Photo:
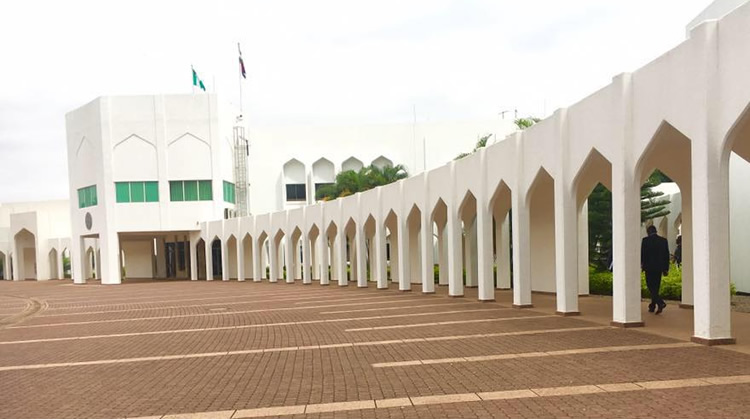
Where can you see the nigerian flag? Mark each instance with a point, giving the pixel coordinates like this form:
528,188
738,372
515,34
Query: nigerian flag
197,81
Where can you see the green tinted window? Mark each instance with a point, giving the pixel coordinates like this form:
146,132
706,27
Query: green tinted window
228,192
176,192
122,192
191,190
92,195
206,191
152,191
87,196
137,194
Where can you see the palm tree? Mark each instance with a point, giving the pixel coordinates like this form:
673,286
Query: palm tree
351,182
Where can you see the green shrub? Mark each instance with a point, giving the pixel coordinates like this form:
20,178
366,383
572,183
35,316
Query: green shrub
600,283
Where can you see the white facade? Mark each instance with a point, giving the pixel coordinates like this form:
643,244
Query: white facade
146,139
684,113
281,155
34,236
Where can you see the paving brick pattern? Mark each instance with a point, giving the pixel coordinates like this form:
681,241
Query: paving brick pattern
151,348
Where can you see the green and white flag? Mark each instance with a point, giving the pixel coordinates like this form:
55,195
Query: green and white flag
197,81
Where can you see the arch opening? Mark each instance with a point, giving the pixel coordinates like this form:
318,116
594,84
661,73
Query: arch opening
439,219
500,209
541,202
414,230
665,178
216,255
467,213
247,257
25,243
232,263
391,244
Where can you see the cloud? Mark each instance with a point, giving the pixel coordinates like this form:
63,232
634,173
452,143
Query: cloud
325,62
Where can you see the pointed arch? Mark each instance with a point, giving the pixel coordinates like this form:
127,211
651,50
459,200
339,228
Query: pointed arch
541,204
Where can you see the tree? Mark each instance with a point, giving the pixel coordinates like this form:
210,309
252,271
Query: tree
524,123
600,226
351,182
651,206
600,216
482,142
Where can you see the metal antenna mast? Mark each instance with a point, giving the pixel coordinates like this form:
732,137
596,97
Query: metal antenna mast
241,152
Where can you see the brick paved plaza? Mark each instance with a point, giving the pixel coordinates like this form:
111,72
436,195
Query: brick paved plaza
229,349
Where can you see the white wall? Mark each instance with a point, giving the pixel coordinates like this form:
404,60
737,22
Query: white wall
426,145
138,258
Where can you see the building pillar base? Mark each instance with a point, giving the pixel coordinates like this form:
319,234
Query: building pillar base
713,341
685,306
619,324
572,313
524,306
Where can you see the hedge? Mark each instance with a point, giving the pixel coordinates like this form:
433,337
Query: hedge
600,283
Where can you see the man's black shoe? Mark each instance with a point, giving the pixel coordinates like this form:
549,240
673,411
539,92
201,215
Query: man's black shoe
651,307
661,308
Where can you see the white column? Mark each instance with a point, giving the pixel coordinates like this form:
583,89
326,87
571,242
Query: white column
428,265
193,259
291,261
257,261
6,267
404,277
224,261
455,278
381,275
98,259
483,234
306,261
712,303
470,254
240,260
395,255
77,255
60,272
161,259
626,247
688,286
521,252
209,260
323,247
108,267
583,250
18,259
351,242
361,256
566,250
340,259
503,252
273,260
443,256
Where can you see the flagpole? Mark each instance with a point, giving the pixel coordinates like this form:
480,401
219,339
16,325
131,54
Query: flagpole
239,76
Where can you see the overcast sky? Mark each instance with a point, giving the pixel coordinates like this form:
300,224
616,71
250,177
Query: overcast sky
311,62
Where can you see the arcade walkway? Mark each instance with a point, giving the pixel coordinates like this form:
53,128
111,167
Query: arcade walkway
229,349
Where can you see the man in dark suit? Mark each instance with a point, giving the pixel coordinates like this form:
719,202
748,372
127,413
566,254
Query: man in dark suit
655,262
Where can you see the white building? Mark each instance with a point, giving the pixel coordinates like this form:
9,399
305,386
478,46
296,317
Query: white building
144,171
33,239
146,174
295,159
